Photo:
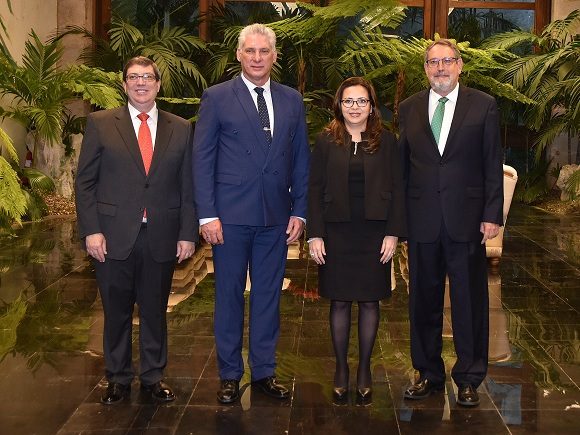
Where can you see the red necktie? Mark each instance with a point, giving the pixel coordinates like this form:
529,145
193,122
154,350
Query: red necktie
145,142
145,145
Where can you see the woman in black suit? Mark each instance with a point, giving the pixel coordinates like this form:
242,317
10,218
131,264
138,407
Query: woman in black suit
356,213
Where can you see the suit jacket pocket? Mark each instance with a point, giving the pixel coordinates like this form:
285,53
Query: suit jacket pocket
106,209
228,179
327,197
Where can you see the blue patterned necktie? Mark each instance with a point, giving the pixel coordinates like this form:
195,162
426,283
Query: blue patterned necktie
437,120
263,112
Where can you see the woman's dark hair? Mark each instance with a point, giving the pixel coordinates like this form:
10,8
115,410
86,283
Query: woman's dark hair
337,128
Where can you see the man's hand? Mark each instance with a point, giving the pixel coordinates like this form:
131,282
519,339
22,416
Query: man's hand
294,229
96,246
185,250
212,232
488,230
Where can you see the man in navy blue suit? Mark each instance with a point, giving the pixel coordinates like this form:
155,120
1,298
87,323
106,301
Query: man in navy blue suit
250,160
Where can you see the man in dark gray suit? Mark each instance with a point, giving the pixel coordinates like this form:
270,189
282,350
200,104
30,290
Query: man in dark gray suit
135,212
453,168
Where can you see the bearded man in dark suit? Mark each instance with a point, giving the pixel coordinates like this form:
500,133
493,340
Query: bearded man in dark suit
135,212
450,142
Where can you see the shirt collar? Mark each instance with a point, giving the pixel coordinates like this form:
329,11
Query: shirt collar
251,85
451,96
153,113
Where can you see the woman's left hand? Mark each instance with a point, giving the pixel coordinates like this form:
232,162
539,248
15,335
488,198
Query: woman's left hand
388,248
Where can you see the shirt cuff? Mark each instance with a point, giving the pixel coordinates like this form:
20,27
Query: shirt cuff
207,220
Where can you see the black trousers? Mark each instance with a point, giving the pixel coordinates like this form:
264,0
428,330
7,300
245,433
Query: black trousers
138,279
465,264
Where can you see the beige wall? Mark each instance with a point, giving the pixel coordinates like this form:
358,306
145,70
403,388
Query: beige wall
561,8
45,17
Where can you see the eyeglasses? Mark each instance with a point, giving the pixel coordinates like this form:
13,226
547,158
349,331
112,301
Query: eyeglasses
147,77
447,61
360,102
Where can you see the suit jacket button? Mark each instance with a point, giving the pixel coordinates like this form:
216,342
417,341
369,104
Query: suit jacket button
248,152
275,172
146,185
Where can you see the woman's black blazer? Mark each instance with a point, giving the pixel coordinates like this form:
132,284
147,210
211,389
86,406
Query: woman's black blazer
328,192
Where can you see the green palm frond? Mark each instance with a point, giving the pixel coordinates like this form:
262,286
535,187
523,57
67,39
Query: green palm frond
12,199
190,101
96,86
8,144
564,30
217,64
573,184
508,40
40,60
39,180
36,208
496,87
124,37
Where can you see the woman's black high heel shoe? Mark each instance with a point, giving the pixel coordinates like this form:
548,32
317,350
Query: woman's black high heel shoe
340,394
364,394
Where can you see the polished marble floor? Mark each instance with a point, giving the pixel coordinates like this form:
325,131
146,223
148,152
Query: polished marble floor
51,363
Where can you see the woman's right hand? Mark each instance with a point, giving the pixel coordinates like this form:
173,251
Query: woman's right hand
317,251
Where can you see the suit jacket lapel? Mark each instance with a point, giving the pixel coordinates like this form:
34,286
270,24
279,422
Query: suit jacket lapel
126,130
162,139
249,108
423,115
461,109
279,119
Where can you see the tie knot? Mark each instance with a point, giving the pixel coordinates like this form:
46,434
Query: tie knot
259,90
143,117
443,100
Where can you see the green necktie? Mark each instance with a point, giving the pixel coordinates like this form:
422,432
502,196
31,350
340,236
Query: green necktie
437,120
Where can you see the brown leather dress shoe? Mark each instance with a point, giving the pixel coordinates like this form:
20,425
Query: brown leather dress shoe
229,391
467,395
115,393
422,389
159,391
272,388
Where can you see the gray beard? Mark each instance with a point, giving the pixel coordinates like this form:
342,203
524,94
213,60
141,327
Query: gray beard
443,85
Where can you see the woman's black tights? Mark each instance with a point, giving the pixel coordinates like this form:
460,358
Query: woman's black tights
368,324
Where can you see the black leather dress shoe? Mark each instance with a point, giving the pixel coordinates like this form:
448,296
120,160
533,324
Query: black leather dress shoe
467,395
422,389
159,391
340,394
115,393
272,388
229,391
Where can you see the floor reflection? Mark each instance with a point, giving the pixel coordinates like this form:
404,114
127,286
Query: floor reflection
51,364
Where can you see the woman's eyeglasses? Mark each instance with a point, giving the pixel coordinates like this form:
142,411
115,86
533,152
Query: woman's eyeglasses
360,102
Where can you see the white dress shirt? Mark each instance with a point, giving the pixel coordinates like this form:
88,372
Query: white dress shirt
447,116
267,96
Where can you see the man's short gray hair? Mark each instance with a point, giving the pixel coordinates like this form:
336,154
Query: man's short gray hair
445,42
257,29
